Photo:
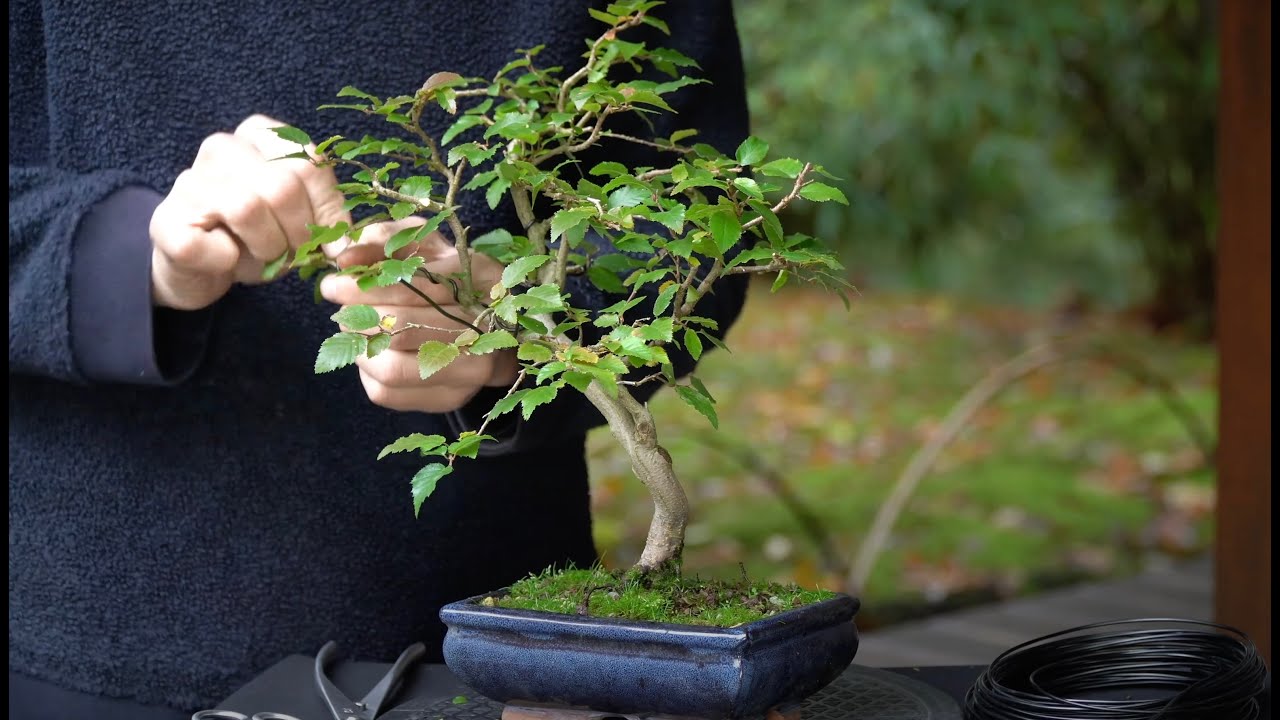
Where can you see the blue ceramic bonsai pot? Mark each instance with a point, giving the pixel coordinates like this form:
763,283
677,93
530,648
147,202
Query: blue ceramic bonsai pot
634,667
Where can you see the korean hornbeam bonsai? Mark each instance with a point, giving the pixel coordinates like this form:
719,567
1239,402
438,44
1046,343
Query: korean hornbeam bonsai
657,238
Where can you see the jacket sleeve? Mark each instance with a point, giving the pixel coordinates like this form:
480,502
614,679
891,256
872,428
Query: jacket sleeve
80,252
719,112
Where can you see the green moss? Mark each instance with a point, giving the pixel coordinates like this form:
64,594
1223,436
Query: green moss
666,597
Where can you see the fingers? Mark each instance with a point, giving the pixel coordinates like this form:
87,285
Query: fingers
373,239
318,183
391,380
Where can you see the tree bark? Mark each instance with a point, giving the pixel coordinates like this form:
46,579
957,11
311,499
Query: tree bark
632,426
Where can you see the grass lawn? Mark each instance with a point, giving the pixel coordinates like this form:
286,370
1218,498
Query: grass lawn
1075,471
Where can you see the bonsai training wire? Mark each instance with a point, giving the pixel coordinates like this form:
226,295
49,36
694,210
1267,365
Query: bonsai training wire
1210,671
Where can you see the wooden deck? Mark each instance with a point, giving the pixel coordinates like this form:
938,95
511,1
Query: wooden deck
976,635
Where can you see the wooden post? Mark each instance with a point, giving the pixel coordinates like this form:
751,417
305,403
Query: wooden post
1243,543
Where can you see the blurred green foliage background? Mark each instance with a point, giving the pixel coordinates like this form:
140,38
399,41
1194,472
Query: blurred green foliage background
1034,152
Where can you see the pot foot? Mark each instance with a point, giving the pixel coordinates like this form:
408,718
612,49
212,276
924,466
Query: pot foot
534,711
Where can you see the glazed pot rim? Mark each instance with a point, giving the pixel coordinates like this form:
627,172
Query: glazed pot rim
470,613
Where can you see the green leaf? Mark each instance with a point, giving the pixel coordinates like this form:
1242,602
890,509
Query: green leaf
402,210
417,187
748,186
494,243
693,344
463,124
541,299
506,404
465,338
377,344
415,441
468,444
672,219
698,402
292,134
772,225
610,169
821,192
495,192
424,483
622,306
664,298
350,91
433,356
752,150
405,237
533,325
340,351
273,268
629,196
567,219
474,153
516,272
393,271
780,281
782,167
536,397
496,340
356,317
725,229
659,330
534,352
605,279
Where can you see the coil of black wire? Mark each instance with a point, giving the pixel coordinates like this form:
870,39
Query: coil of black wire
1181,670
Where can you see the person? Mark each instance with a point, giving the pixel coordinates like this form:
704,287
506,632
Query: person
188,502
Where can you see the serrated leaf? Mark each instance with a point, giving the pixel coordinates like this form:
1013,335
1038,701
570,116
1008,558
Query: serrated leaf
496,340
350,91
693,344
661,304
393,271
467,444
533,324
464,123
566,219
292,134
433,356
424,483
751,151
377,344
506,404
748,186
404,238
672,219
698,402
622,306
628,196
466,338
417,187
535,397
540,299
494,243
725,229
534,353
356,317
340,351
415,441
517,271
782,167
401,210
659,330
821,192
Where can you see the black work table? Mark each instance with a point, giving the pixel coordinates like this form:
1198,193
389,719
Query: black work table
928,693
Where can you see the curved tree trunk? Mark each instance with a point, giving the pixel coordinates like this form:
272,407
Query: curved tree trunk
632,425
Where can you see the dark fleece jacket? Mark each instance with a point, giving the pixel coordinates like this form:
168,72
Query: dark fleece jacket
188,503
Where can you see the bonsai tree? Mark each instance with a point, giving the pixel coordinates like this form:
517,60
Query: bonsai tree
657,238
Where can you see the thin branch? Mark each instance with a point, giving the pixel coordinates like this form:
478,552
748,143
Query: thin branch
745,269
571,149
641,141
417,291
514,386
686,305
785,201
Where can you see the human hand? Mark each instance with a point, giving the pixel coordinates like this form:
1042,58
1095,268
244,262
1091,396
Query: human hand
234,210
391,378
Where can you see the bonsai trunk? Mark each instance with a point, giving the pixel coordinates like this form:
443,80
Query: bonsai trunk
632,425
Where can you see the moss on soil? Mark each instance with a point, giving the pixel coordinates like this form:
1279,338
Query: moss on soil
668,598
